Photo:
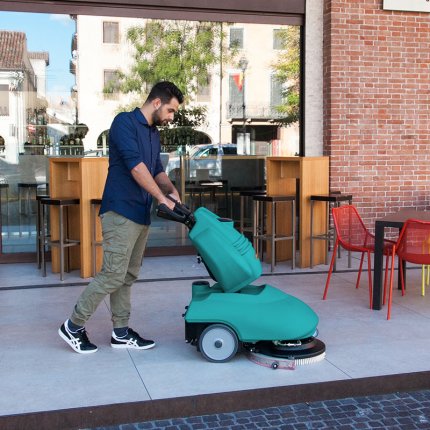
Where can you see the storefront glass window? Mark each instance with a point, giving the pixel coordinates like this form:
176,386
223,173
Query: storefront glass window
63,79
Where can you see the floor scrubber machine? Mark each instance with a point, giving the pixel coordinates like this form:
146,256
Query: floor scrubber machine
276,329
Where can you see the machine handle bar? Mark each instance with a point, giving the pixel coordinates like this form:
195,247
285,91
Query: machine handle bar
180,213
180,206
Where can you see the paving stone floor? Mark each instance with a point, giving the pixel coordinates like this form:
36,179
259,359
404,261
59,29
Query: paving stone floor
406,411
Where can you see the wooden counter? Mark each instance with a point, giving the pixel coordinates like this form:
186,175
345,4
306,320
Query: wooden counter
83,178
302,176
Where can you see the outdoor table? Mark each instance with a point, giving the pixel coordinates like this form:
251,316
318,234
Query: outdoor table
209,187
213,186
395,220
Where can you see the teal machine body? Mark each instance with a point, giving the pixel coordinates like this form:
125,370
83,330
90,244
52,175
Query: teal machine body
233,311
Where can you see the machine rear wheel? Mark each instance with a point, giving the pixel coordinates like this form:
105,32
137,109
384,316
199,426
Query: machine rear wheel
218,343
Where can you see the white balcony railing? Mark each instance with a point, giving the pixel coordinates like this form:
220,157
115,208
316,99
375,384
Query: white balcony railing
262,112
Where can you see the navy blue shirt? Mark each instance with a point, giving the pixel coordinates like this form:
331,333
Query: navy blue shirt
131,141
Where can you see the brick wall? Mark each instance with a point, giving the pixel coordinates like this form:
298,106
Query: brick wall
377,105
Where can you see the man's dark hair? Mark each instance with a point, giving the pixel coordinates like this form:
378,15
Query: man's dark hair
165,91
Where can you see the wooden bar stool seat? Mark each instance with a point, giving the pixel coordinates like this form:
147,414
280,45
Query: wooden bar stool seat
94,242
261,232
64,241
334,198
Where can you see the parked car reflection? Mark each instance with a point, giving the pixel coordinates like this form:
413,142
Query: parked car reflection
205,159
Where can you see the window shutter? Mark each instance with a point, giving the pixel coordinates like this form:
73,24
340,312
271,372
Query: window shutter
235,97
110,32
236,38
277,40
4,100
275,92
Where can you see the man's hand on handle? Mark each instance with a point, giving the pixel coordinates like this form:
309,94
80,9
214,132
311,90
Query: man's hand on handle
169,203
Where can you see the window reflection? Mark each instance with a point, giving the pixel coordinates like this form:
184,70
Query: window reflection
65,78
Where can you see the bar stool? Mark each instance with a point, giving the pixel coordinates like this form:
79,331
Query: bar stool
25,192
6,188
334,198
245,196
194,192
39,226
260,232
27,188
64,241
211,188
94,242
235,191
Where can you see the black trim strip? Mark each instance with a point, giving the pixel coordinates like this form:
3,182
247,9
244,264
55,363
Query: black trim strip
257,11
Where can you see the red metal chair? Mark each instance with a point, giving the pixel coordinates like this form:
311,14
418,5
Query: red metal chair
412,246
352,234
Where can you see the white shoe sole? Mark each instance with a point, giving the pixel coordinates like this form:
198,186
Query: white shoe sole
125,346
67,340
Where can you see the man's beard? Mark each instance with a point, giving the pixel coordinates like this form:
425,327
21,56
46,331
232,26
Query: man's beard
156,120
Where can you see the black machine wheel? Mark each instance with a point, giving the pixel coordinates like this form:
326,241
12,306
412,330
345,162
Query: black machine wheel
218,343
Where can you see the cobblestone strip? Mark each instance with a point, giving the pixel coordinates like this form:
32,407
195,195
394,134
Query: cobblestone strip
399,411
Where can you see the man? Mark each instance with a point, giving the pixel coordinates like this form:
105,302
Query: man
135,176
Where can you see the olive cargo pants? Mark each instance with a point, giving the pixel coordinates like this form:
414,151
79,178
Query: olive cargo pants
124,243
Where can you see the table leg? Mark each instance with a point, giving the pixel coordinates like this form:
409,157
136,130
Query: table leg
378,264
399,274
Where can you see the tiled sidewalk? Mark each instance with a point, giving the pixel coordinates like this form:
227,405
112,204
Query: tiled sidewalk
391,411
366,355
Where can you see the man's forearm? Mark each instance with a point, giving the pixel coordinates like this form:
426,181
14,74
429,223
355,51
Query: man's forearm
165,184
142,176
